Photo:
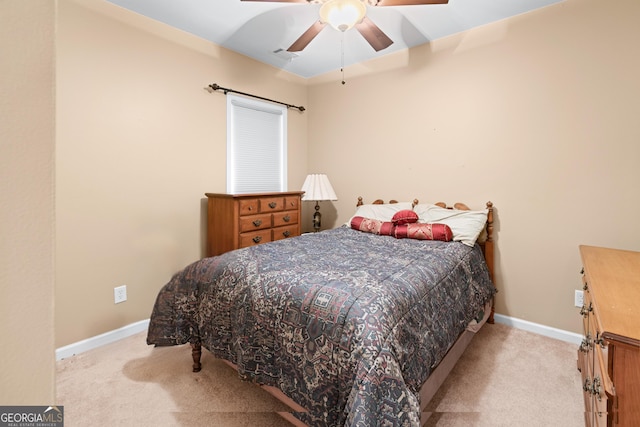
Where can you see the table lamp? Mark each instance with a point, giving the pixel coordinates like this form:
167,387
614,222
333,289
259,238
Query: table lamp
317,187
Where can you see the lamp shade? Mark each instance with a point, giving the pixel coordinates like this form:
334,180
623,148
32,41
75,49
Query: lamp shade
317,187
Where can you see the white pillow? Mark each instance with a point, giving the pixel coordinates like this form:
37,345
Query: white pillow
380,212
466,226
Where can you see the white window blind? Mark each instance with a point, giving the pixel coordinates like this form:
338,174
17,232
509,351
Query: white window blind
256,146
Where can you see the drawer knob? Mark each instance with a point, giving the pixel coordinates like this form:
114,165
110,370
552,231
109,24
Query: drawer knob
584,345
287,218
250,208
596,389
584,311
287,233
272,205
257,222
257,239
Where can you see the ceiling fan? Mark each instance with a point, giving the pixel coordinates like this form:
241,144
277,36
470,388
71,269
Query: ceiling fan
346,14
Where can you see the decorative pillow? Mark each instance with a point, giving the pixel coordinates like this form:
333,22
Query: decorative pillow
405,216
423,231
380,212
368,225
465,225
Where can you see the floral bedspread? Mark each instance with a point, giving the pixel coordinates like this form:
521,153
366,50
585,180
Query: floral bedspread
348,324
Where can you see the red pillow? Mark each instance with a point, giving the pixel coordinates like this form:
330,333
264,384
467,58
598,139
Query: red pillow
406,216
374,226
424,231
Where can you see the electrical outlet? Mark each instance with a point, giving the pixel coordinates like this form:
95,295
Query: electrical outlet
579,298
120,294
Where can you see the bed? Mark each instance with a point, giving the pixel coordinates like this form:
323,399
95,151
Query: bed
354,326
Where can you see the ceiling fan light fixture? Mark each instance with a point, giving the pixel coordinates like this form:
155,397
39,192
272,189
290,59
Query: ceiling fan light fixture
342,14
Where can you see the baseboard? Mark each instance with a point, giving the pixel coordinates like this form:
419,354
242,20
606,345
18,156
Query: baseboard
134,328
539,329
100,340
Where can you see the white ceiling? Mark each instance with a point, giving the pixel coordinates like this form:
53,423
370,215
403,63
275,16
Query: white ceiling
257,29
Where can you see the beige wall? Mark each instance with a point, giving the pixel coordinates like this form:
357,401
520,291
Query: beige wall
537,113
139,142
27,131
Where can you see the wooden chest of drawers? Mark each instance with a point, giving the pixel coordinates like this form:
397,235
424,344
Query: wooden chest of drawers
240,220
609,356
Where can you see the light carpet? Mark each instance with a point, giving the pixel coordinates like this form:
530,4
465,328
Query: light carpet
507,377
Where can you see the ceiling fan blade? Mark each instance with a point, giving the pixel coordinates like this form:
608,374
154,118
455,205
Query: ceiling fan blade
306,37
409,2
374,35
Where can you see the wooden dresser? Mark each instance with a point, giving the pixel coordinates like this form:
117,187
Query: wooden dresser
609,356
240,220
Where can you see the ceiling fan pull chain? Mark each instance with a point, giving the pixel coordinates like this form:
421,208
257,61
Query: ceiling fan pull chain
342,56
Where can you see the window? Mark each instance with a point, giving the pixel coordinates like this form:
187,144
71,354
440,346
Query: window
256,146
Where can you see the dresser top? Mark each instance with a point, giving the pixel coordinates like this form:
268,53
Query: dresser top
246,195
614,282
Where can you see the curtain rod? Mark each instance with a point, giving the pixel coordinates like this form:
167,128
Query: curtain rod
215,86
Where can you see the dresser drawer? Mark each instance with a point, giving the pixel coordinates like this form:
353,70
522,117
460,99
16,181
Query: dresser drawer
255,222
249,206
285,218
585,359
602,384
255,238
587,312
280,233
291,202
271,204
584,366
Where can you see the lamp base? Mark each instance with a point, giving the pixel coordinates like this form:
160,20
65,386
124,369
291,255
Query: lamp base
317,218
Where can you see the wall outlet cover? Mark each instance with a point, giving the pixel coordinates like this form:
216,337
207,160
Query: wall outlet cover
579,298
120,294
